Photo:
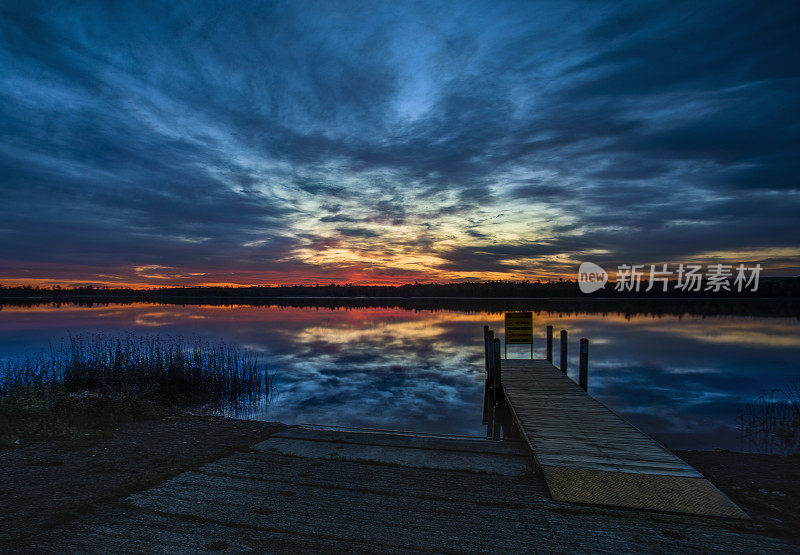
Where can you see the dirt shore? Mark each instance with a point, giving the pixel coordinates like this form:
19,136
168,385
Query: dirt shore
766,487
46,484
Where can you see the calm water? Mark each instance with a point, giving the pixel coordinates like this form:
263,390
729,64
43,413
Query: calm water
682,380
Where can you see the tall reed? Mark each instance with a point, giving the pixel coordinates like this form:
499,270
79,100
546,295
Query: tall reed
142,367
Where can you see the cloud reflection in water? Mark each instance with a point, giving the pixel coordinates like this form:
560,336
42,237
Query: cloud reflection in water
682,380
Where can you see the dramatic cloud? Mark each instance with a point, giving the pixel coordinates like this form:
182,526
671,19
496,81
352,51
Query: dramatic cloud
391,142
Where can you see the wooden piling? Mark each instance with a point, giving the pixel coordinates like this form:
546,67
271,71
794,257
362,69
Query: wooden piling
583,373
498,375
564,351
490,355
486,349
550,343
497,430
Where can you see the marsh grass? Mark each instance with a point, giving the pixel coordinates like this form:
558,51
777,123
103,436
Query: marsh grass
772,423
100,380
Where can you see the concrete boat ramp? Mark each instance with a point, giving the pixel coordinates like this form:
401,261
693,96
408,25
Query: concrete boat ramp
326,489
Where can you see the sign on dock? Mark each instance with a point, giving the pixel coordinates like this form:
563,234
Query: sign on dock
519,328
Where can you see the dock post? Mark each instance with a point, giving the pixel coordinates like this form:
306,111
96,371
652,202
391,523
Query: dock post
487,396
498,375
486,349
549,343
583,374
490,354
564,351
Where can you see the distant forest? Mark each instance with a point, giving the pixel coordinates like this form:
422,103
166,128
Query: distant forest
769,287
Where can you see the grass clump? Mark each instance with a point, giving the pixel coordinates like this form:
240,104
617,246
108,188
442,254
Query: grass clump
772,423
93,383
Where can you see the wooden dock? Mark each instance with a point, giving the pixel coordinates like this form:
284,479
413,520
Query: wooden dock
589,454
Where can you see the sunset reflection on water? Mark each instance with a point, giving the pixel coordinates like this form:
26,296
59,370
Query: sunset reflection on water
681,379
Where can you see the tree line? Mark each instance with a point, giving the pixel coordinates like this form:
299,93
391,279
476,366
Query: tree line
769,287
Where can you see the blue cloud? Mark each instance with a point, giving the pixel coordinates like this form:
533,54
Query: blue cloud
231,139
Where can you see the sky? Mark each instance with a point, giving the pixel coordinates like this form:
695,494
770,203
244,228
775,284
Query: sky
184,143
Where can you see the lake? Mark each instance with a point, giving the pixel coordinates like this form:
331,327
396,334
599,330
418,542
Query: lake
683,379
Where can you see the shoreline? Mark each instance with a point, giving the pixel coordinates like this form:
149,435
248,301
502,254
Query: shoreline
674,306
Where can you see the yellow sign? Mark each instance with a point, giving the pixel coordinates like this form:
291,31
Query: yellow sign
519,327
